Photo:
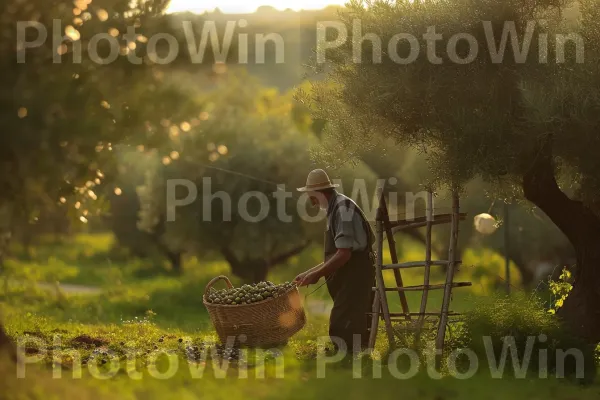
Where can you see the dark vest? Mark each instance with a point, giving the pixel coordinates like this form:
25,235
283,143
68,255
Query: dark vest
361,262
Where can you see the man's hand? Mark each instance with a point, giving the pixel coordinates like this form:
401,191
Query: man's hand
298,280
310,278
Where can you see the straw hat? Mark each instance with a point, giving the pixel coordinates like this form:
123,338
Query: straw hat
317,180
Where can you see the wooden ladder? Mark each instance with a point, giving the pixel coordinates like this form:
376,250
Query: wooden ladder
384,226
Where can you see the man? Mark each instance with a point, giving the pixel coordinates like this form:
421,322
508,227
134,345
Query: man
348,262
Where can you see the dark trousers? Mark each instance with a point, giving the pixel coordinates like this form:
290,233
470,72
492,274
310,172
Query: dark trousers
350,288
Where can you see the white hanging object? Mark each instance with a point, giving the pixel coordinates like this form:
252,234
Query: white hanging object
486,224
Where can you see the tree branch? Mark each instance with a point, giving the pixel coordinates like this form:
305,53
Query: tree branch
295,251
230,257
541,188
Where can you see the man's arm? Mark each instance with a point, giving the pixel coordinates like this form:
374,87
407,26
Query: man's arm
344,239
335,262
340,258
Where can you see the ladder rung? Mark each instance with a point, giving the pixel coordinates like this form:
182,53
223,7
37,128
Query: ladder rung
415,328
440,218
414,264
416,225
416,314
423,287
427,326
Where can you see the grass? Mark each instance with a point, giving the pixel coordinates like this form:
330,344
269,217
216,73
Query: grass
144,309
297,384
301,376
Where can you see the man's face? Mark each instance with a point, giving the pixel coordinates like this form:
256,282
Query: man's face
317,199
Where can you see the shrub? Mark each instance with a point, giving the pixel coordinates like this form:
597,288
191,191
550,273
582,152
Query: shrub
520,326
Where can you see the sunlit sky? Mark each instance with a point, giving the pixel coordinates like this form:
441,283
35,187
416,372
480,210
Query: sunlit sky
247,6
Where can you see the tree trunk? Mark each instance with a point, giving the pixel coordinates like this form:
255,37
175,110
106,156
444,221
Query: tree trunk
174,257
176,263
4,339
256,270
580,312
515,254
260,271
2,255
6,344
26,243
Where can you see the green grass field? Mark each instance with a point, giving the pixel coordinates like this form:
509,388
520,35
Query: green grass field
142,310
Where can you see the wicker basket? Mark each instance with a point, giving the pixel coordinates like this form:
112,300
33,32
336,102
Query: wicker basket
268,322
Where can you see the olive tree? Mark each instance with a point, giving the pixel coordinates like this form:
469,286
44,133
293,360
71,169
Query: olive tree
525,118
244,145
69,104
64,111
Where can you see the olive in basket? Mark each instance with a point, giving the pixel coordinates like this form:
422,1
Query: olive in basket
247,294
